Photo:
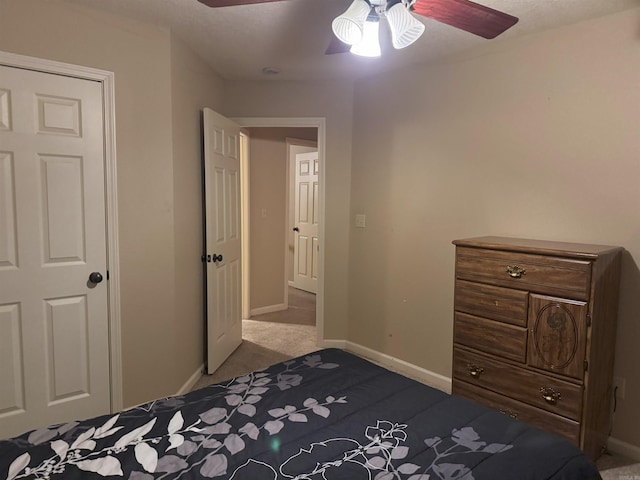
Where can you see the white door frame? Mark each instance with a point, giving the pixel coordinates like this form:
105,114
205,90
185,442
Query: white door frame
113,285
246,224
320,124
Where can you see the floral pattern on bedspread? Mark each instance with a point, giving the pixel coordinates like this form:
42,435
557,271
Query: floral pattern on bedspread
304,419
171,452
380,457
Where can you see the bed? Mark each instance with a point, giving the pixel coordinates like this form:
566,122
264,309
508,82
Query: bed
329,415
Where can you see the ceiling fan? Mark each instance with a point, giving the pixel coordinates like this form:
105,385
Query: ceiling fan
462,14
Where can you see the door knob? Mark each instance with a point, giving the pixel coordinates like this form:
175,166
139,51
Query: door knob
296,229
95,277
216,258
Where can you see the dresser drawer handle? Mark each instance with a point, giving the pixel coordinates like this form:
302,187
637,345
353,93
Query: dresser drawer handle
515,271
511,413
474,370
550,395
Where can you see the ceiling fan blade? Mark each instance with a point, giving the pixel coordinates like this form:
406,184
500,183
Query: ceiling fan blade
466,15
337,46
232,3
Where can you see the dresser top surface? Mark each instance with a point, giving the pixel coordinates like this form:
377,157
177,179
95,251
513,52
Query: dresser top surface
540,247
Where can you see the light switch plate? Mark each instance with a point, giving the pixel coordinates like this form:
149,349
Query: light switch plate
361,220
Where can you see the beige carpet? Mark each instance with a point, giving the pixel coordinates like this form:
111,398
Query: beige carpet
264,343
617,467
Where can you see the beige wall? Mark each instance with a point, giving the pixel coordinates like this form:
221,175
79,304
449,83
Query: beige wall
141,58
268,193
333,101
193,86
534,138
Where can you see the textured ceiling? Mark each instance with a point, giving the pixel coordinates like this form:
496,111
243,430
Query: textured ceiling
238,42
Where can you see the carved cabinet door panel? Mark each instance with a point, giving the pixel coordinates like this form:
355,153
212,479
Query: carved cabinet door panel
557,335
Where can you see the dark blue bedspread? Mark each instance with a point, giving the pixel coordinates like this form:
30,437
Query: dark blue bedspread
327,416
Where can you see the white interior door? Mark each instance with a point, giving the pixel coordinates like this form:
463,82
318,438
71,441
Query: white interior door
223,237
306,247
54,333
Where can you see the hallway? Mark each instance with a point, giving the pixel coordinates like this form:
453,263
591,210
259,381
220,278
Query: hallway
301,311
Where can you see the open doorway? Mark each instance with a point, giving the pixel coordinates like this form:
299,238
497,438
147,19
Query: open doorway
274,298
279,338
289,299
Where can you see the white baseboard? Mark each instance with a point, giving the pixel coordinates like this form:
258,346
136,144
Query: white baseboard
410,370
624,449
341,344
193,379
268,309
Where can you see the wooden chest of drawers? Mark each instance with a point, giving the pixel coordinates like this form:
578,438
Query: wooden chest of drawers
534,332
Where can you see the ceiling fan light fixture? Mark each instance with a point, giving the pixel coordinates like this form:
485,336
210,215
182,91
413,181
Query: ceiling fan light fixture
405,28
369,46
349,27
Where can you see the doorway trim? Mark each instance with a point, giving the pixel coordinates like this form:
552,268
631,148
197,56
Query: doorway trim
320,124
111,198
246,224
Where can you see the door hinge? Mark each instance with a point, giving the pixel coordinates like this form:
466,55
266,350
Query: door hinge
586,365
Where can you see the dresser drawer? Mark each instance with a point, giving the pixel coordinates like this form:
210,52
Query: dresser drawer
497,303
489,336
548,393
548,421
536,273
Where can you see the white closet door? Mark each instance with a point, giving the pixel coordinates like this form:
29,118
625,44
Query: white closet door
54,336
